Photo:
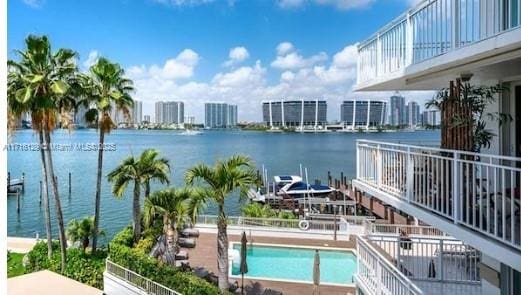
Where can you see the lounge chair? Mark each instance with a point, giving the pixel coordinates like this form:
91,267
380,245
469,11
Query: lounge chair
271,292
181,255
201,272
181,263
186,243
190,232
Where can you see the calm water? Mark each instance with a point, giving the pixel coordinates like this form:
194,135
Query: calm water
280,152
336,267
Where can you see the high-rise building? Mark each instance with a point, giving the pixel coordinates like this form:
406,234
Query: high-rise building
397,111
147,119
220,115
294,113
431,118
189,120
412,114
358,113
137,112
170,112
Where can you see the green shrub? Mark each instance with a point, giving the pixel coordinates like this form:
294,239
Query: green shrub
124,237
144,246
15,264
286,215
136,260
82,267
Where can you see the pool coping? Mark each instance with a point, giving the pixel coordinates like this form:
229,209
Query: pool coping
230,263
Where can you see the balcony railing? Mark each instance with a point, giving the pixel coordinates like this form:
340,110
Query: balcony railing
136,280
479,191
432,28
377,275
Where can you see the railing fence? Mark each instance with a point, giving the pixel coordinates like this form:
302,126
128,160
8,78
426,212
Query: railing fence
135,279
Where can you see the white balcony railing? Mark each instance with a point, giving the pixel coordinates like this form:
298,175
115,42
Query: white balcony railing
136,280
377,275
432,28
479,191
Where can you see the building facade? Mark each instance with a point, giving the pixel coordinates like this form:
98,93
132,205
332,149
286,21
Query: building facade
147,119
471,197
430,118
412,114
220,115
169,112
397,111
363,113
137,112
294,113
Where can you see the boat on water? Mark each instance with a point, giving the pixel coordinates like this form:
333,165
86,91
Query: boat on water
289,186
191,132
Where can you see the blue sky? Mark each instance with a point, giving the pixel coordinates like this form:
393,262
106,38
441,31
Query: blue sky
240,51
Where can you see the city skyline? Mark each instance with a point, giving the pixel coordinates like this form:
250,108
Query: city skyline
232,55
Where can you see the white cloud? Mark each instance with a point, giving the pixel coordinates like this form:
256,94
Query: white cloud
339,4
248,85
180,67
34,3
91,59
287,58
237,55
284,48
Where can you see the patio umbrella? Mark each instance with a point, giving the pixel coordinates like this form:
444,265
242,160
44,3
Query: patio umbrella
244,265
432,269
316,274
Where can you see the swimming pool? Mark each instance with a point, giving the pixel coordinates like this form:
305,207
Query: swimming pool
288,263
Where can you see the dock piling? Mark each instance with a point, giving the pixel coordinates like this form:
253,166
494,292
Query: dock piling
70,187
18,202
40,192
23,182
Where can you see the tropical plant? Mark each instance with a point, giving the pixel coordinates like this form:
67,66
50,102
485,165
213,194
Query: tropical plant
105,91
170,205
235,174
42,84
82,231
464,112
197,203
138,171
258,210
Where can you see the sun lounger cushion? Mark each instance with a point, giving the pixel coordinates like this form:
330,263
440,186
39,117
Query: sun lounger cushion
181,255
186,243
190,232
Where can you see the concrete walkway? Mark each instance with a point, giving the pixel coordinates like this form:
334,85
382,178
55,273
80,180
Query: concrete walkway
47,283
20,245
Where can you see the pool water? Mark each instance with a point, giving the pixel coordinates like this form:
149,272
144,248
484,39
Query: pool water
296,264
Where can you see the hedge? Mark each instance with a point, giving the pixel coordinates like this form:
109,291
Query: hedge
136,260
82,267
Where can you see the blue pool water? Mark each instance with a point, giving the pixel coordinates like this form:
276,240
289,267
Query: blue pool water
296,264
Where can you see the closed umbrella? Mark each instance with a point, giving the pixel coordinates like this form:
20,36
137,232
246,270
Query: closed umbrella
432,269
316,274
244,264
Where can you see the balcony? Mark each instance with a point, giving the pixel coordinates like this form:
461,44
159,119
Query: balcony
423,264
441,38
472,197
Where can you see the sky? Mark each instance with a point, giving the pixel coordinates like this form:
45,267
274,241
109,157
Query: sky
237,51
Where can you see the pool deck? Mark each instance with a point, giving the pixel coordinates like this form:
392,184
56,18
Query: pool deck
204,255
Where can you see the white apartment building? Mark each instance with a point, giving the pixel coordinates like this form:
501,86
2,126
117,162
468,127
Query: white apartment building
137,112
169,112
472,197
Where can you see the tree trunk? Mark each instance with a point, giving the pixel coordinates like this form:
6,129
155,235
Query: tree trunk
97,198
136,218
147,188
85,243
171,238
57,203
45,196
222,249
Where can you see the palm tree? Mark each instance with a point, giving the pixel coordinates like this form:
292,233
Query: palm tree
197,203
82,231
106,91
139,171
41,83
170,204
227,176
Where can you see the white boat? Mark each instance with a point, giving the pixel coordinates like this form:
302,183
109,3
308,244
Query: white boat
191,132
